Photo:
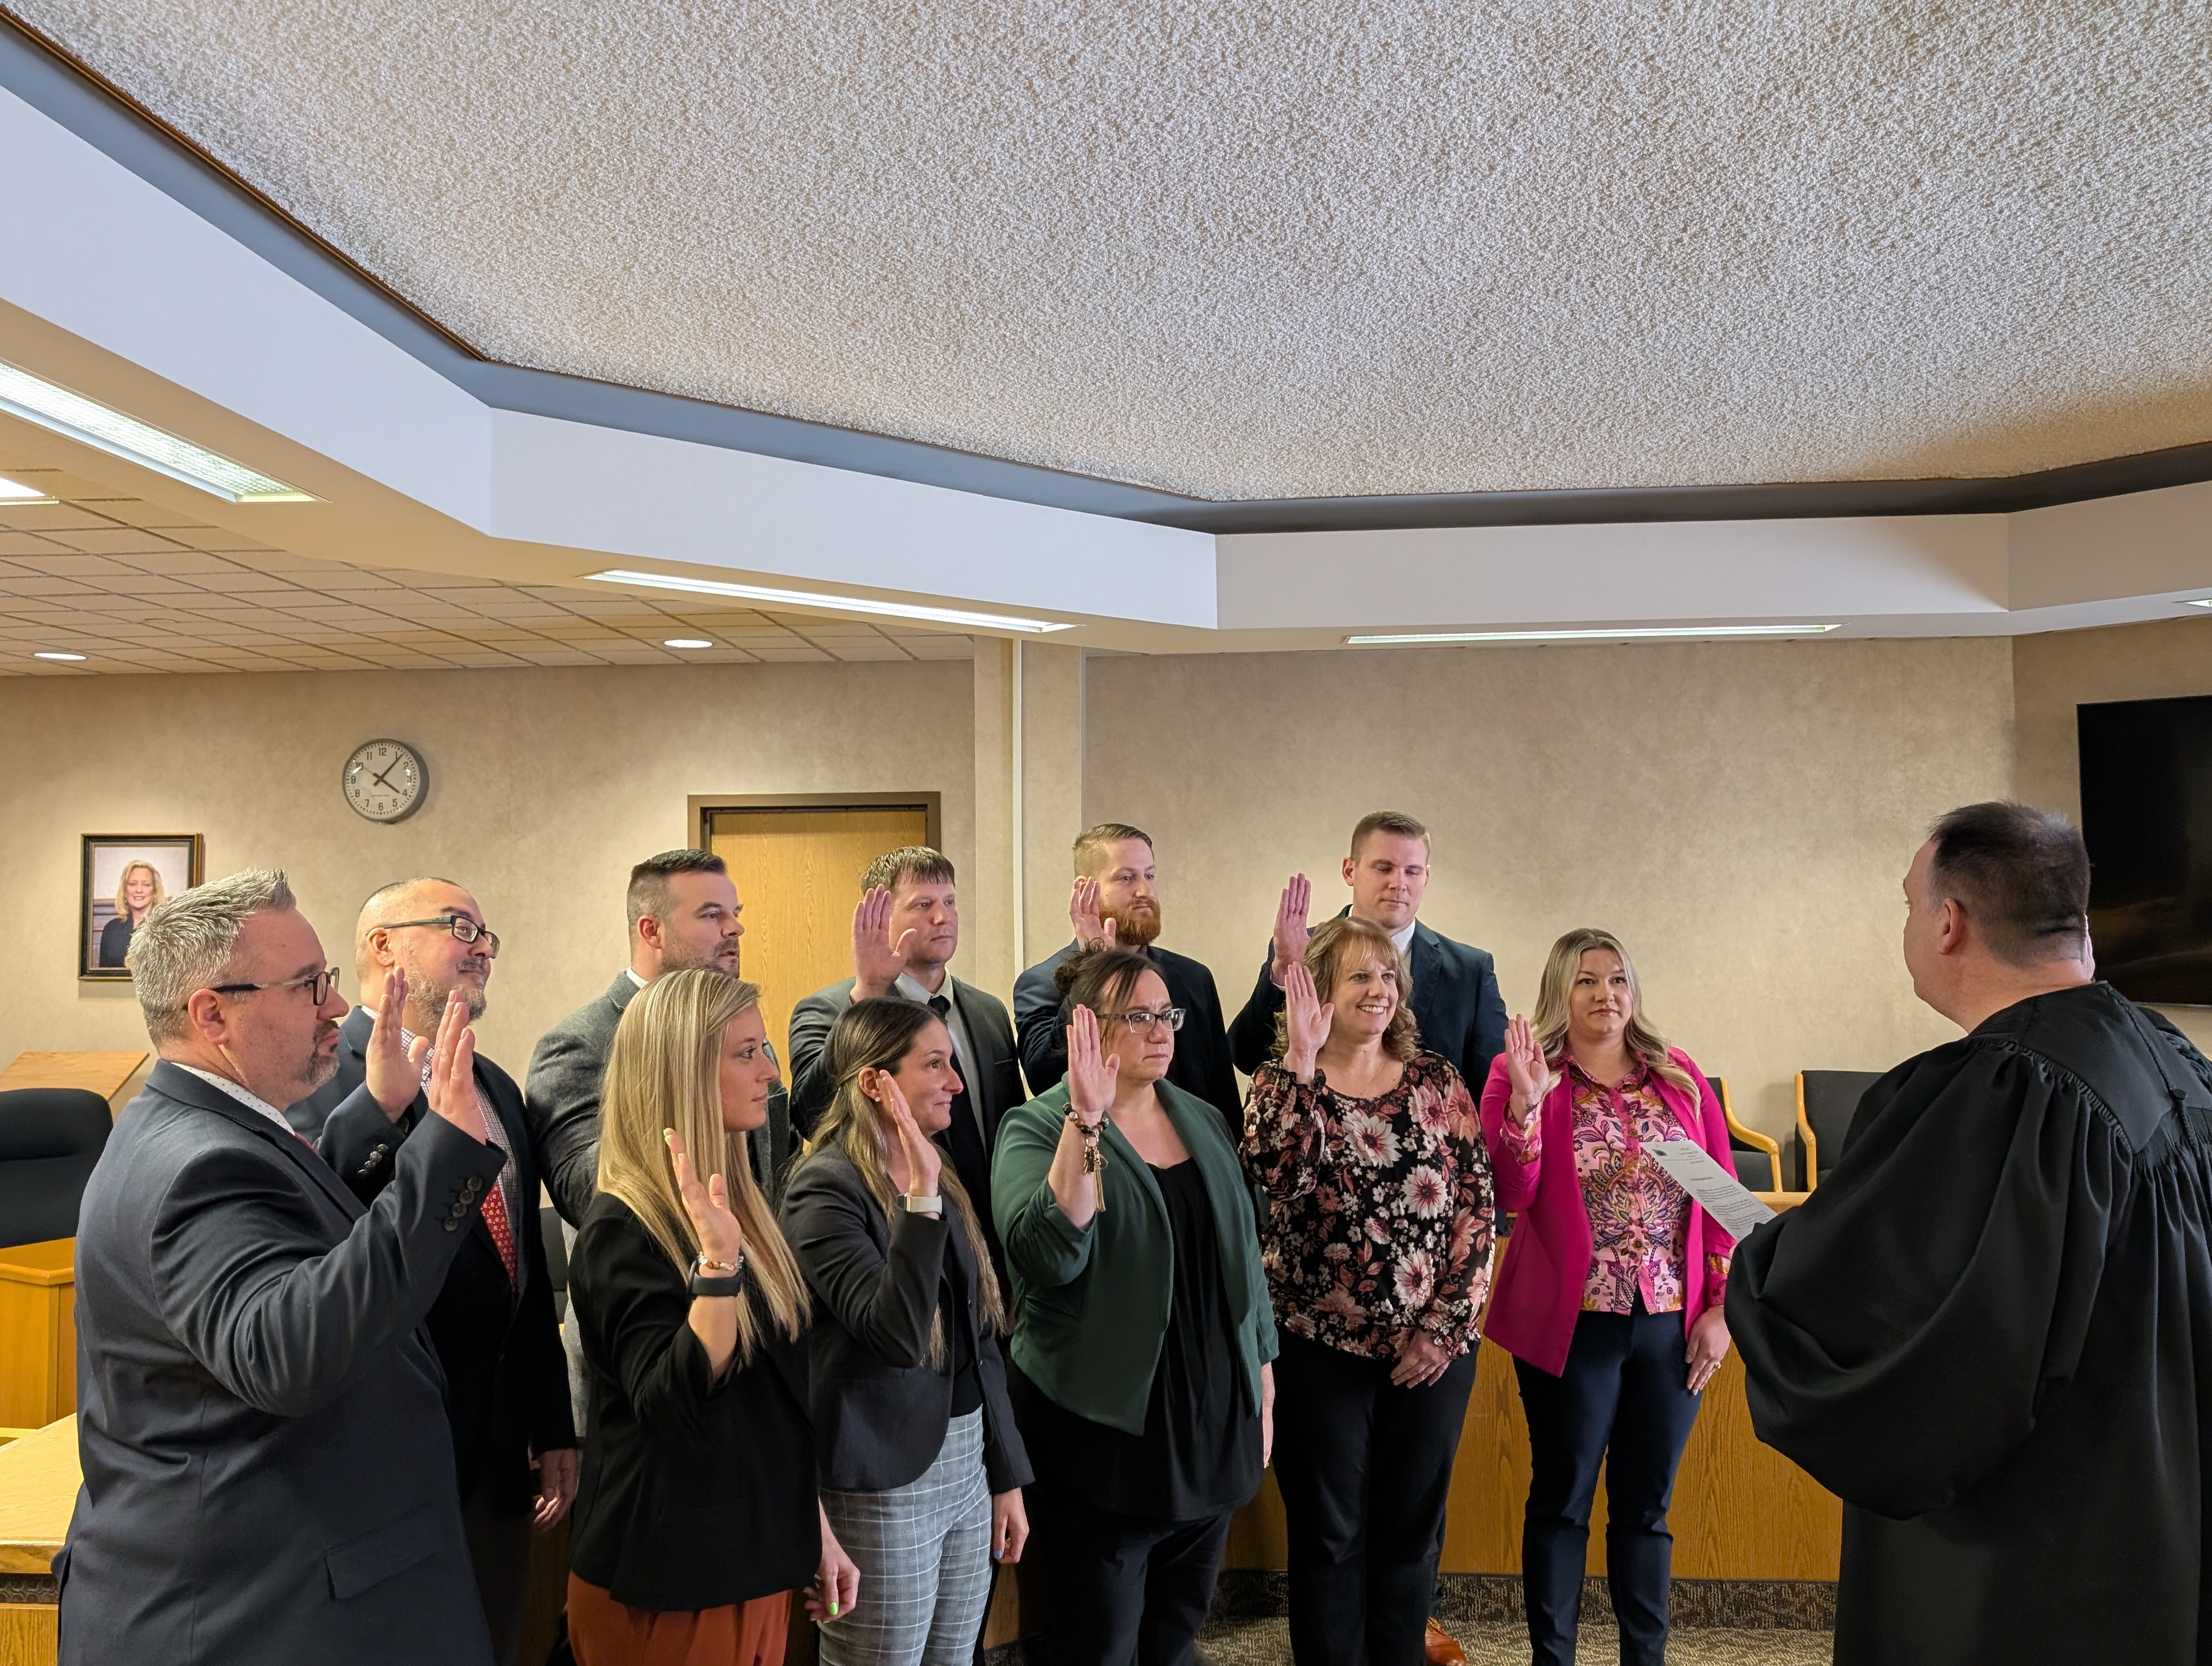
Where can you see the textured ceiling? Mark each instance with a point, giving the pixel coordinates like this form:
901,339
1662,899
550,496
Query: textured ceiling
1254,250
136,588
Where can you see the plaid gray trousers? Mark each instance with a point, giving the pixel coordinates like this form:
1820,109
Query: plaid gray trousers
924,1553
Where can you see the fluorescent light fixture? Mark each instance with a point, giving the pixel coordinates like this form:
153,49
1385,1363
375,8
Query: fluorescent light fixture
687,641
14,493
2198,601
1635,634
37,401
56,653
755,593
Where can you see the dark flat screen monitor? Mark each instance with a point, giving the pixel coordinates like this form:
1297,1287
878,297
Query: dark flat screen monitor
2146,815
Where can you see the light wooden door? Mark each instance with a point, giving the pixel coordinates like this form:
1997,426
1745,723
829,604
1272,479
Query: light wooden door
798,873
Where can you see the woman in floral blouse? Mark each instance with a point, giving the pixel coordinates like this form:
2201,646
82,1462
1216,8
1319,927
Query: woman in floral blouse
1377,1247
1610,1296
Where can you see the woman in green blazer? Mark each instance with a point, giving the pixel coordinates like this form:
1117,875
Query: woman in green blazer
1143,1338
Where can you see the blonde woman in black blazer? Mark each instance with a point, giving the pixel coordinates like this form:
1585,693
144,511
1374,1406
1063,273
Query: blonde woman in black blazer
921,1466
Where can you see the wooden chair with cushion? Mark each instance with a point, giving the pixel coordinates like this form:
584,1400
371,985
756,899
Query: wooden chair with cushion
49,1138
1758,1156
1826,1102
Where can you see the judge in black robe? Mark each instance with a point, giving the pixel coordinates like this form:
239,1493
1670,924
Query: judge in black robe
1990,1330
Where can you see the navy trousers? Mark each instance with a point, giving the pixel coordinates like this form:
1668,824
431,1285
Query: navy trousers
1624,1402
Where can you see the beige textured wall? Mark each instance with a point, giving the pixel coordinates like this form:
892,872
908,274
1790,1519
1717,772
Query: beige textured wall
545,785
2053,674
1741,813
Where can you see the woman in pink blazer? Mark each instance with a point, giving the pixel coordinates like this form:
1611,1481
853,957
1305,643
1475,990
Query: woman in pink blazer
1610,1298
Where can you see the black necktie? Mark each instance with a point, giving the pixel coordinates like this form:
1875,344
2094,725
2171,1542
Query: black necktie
970,1159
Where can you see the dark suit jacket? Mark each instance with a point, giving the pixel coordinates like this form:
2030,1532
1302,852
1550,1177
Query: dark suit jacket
506,1379
560,1098
993,1076
1200,1067
697,1491
879,1407
1455,1001
268,1475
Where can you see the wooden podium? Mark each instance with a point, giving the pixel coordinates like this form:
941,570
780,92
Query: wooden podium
37,1333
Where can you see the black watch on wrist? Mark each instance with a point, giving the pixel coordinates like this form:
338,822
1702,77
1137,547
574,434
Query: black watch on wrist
732,1283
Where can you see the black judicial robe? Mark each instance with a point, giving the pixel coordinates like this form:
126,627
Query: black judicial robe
1989,1331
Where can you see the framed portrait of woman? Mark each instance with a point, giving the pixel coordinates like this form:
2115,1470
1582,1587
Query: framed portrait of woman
127,875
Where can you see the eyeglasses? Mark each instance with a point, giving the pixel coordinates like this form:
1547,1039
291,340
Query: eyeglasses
463,928
317,985
1141,1020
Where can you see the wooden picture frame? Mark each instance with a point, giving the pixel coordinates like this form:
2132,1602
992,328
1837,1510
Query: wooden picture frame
178,861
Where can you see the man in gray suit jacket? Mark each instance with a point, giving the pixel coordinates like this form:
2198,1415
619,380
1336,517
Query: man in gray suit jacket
684,913
268,1472
906,930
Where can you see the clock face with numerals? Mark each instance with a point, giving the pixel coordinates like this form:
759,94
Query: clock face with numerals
384,780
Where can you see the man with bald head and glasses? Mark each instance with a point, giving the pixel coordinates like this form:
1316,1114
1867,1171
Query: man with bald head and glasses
268,1472
493,1326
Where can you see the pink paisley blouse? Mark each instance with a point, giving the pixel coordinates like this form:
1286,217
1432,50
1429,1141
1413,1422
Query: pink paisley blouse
1639,1217
1380,1213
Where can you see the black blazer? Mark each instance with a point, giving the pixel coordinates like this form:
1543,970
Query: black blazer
506,1379
1455,1001
697,1492
993,1078
879,1407
1200,1067
267,1474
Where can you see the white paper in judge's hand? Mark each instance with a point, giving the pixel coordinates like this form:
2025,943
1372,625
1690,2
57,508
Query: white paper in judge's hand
1726,1198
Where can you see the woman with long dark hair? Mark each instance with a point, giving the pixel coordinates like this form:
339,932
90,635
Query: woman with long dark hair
1610,1296
922,1465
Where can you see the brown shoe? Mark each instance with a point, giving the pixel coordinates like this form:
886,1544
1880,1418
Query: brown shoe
1441,1647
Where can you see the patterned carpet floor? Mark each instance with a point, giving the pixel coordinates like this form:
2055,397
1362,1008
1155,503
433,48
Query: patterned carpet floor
1491,1643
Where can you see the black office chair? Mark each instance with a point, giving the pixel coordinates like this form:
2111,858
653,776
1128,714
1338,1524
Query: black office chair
49,1138
1826,1102
1758,1157
556,1258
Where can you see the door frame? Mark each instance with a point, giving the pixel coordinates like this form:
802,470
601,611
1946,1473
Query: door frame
699,808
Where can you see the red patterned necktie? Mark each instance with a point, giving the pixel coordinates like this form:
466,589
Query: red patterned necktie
502,1229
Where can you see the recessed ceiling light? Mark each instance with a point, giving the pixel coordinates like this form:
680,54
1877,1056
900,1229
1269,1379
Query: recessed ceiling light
755,593
37,401
687,641
56,654
1637,633
14,492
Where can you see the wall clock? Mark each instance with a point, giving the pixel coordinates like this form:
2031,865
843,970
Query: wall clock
384,780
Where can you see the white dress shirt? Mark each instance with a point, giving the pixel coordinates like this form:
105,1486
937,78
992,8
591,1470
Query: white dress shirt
252,1102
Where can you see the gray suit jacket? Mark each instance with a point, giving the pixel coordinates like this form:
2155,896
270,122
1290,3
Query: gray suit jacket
561,1102
267,1473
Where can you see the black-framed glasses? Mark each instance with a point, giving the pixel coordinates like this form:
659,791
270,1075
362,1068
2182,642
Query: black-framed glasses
1141,1020
317,985
463,929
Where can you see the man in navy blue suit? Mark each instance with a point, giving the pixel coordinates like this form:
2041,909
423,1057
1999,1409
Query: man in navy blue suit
1455,999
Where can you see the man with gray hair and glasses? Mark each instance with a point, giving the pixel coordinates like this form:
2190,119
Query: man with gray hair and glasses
268,1472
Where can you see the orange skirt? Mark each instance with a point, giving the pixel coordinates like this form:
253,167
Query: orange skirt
604,1632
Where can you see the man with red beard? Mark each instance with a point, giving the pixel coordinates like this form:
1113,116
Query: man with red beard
1116,900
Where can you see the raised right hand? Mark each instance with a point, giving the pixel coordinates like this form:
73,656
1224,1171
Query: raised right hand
1526,1069
878,959
1306,1022
720,1237
1291,928
1092,1071
923,1159
451,1089
1091,929
393,1069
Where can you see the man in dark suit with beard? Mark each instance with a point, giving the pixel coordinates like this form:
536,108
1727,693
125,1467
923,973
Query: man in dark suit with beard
1116,899
268,1472
506,1381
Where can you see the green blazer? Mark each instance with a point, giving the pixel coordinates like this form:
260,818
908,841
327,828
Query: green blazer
1091,1302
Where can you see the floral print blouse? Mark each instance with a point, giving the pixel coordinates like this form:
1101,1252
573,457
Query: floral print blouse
1380,1212
1639,1216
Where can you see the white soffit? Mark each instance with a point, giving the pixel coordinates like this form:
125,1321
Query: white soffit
1249,251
